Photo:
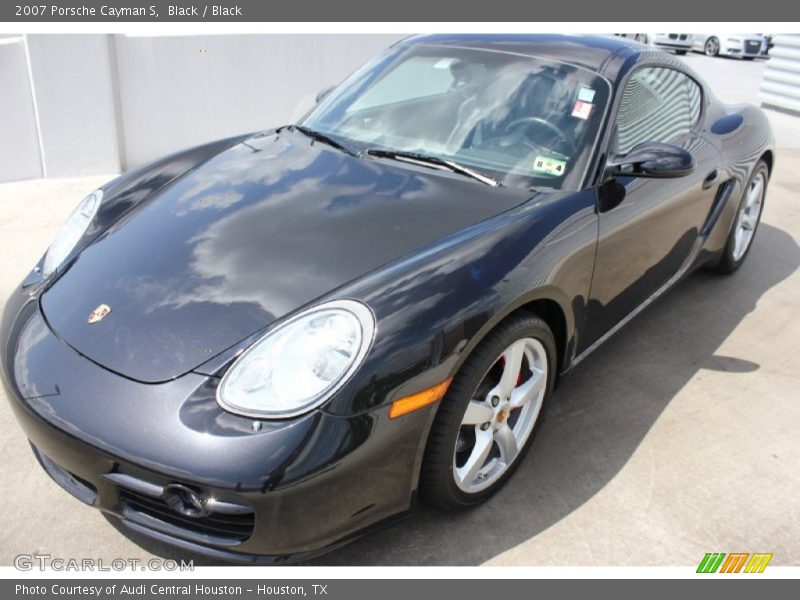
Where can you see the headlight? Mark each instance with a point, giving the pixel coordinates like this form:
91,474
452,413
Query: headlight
301,363
71,232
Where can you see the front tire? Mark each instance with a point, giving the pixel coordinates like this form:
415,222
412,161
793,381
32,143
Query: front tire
748,216
487,420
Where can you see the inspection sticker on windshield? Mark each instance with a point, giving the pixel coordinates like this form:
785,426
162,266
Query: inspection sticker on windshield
549,166
586,94
582,109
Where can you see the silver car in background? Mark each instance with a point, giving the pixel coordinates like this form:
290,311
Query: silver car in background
743,45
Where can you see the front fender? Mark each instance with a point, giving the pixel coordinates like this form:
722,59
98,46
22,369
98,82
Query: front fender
132,189
434,307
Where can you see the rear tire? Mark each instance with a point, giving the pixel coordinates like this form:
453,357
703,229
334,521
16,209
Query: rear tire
748,216
485,424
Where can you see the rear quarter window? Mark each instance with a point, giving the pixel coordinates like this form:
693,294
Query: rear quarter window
658,104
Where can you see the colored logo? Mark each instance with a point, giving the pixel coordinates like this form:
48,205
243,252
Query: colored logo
735,562
98,314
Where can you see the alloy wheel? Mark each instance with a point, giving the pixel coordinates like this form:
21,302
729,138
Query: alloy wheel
501,416
747,220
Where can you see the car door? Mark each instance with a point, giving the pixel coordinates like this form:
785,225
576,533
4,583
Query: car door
645,239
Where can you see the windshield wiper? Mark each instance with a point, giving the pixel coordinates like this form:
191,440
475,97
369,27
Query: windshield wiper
424,159
325,139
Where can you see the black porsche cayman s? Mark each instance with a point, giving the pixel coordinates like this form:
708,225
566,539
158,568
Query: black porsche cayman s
260,347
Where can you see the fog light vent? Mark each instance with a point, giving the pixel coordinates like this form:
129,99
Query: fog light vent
80,488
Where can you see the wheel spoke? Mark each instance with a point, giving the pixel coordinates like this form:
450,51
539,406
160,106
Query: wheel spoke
507,442
511,369
483,445
738,242
748,217
528,390
477,412
755,193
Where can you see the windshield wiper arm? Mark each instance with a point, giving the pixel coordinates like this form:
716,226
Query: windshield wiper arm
324,138
416,157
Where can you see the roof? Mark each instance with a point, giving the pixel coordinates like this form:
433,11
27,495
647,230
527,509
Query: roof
589,51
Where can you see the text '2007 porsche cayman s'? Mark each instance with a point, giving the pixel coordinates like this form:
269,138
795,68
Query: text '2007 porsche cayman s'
263,346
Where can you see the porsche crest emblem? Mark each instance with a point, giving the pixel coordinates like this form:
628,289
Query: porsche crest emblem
98,314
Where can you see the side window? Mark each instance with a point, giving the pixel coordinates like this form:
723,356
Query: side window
658,105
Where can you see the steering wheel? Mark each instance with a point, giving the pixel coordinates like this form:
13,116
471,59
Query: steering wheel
527,121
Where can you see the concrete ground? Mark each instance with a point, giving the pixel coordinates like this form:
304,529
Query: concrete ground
676,438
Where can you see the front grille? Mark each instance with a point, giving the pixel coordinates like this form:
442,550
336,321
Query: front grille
683,36
753,46
233,527
673,36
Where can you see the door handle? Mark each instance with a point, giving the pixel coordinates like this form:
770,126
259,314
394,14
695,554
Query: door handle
710,179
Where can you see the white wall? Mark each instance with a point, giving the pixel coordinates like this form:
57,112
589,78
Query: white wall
75,103
19,143
781,85
111,102
180,91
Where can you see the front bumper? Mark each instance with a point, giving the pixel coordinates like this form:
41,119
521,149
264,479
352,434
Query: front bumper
674,41
748,48
287,489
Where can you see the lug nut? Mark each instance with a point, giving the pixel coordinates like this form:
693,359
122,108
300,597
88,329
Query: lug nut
485,426
495,400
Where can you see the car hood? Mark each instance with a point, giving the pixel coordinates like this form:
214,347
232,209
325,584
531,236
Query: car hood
252,234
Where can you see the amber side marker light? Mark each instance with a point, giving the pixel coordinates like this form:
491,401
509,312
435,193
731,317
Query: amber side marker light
419,400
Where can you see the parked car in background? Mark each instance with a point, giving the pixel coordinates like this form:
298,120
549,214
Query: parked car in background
680,43
743,45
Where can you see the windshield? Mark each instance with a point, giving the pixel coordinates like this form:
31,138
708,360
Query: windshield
521,120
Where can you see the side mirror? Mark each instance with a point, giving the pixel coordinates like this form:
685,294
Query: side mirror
652,159
323,92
